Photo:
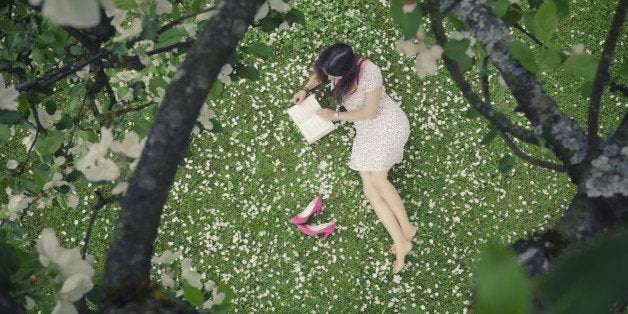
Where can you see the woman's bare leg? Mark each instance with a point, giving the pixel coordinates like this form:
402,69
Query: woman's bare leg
391,196
388,219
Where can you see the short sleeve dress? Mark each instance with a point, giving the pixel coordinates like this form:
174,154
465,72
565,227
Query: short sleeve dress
378,142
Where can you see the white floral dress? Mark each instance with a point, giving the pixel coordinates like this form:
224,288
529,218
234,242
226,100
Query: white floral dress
378,142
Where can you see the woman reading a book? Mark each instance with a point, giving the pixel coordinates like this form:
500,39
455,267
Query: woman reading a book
381,132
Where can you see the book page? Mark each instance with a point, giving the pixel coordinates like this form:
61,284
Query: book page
311,126
305,110
315,128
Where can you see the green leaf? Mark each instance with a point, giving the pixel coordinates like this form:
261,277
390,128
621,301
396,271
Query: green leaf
551,57
261,50
583,65
169,37
218,128
157,81
125,4
216,90
546,22
122,91
249,72
500,7
591,279
49,144
457,50
295,16
472,113
522,53
9,117
5,134
502,286
409,22
490,136
142,127
271,22
9,263
562,8
513,15
75,50
149,29
506,163
22,106
587,89
51,107
193,295
88,135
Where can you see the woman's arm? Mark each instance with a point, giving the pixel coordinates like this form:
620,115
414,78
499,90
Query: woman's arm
371,103
301,94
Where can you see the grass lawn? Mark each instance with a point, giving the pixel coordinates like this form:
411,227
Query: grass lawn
233,196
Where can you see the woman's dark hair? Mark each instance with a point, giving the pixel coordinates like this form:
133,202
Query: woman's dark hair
337,60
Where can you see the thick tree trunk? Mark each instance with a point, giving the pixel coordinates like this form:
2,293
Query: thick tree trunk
127,278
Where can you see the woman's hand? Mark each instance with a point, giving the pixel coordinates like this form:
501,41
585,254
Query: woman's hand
326,114
298,97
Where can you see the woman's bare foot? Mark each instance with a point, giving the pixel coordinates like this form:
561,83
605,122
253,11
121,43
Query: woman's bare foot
409,234
403,249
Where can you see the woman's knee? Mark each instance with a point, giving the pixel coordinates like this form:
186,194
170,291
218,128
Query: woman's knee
367,186
379,180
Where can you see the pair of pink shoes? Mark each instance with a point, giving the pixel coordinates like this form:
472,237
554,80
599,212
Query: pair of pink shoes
314,208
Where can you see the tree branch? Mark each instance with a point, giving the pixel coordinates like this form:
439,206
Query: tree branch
509,142
183,18
528,158
601,78
563,135
499,120
120,112
100,203
40,85
528,34
129,258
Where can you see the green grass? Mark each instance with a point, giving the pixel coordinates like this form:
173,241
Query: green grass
229,207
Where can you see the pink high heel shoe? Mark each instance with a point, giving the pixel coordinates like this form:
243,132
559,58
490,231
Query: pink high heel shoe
326,228
314,208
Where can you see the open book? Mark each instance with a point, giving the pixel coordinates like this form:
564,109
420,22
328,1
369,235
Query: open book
311,125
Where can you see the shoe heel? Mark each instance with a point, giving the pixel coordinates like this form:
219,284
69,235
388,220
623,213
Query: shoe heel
328,233
318,207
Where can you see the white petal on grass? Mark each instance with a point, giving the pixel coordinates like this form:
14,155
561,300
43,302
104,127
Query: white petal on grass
75,13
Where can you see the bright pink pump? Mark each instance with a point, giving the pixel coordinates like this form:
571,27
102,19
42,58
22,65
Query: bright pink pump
314,208
326,228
